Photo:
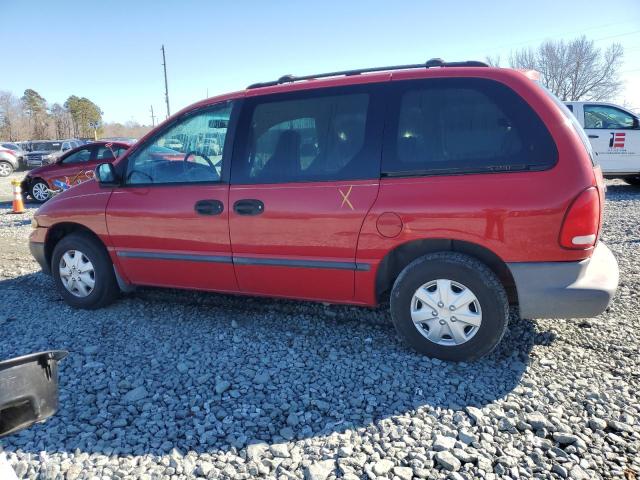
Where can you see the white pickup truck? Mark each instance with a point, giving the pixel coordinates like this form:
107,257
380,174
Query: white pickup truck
614,133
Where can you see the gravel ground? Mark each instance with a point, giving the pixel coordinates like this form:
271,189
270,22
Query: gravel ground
168,384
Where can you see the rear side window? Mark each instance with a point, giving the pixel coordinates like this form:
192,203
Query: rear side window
464,126
307,136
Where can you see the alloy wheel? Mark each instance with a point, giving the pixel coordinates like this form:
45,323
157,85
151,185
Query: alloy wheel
40,192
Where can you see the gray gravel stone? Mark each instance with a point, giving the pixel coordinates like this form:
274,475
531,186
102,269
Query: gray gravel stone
135,395
597,423
443,443
320,470
222,386
565,438
476,414
280,450
382,467
403,473
448,461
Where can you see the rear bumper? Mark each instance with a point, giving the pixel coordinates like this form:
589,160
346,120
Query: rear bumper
567,289
37,250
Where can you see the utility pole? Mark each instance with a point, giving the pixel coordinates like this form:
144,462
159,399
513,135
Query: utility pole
153,118
166,88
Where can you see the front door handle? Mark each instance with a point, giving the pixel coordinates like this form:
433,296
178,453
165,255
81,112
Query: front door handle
209,207
248,206
594,136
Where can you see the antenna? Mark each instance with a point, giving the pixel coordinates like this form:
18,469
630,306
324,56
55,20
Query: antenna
166,88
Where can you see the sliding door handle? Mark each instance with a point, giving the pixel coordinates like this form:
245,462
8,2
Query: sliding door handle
248,206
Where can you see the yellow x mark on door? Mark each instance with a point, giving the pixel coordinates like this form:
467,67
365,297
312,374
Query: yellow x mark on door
345,197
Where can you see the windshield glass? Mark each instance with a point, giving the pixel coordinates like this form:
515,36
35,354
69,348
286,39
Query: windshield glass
46,146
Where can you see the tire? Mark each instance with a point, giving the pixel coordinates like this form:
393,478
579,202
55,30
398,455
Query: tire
36,191
6,169
635,180
105,289
489,312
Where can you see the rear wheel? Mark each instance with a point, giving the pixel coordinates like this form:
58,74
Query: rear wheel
6,169
633,180
449,306
39,191
83,272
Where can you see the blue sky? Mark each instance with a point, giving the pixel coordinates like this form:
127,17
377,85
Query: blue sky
110,51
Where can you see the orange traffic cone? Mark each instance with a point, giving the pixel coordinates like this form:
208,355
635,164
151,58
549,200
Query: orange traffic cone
18,204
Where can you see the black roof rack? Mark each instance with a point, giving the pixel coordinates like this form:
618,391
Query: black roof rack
434,62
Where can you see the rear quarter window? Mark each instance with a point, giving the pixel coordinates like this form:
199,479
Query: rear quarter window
448,126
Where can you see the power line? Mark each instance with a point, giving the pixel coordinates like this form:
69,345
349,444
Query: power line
616,36
511,45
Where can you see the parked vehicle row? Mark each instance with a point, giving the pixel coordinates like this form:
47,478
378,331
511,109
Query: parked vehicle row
452,190
16,155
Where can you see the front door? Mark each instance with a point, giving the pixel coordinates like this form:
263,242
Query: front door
168,223
614,136
305,174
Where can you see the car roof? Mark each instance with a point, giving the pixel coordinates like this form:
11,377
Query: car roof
290,83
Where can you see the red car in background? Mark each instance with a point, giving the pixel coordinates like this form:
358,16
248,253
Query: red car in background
74,167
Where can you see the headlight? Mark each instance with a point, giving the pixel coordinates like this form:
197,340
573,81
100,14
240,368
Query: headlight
34,223
48,157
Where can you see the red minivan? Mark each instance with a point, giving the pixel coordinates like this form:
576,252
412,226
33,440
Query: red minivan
451,190
73,167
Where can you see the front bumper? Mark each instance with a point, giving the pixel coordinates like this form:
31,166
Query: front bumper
38,252
567,289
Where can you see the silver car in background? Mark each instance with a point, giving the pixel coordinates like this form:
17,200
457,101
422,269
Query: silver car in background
8,162
19,152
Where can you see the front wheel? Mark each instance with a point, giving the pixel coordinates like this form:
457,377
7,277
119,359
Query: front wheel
633,180
39,191
6,169
449,306
83,272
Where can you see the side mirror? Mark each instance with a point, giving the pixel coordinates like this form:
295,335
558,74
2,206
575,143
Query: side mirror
28,390
106,175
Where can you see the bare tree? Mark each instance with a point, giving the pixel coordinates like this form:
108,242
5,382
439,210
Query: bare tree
574,70
492,61
61,121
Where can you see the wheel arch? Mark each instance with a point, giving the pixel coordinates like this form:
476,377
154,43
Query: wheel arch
402,255
58,231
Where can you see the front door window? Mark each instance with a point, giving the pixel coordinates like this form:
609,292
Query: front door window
188,152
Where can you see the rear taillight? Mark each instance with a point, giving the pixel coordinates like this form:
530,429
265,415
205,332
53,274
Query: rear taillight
582,220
